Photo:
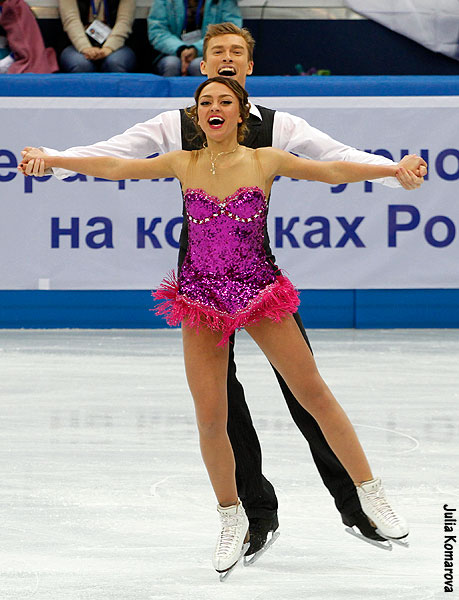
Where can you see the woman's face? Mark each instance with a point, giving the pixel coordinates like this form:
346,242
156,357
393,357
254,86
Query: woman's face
218,111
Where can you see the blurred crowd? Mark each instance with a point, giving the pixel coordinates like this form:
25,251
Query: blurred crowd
95,36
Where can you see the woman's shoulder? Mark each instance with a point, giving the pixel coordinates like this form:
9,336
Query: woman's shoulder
268,154
268,151
182,161
183,154
182,157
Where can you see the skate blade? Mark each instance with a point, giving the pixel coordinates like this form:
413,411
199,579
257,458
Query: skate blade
386,545
403,542
248,561
224,576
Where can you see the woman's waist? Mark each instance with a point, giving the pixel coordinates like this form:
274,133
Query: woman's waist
222,264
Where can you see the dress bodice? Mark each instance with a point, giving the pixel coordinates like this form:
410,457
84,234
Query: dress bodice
225,260
244,205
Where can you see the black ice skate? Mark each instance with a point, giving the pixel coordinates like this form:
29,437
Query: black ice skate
360,527
263,534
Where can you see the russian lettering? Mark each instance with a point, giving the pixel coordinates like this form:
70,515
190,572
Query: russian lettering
394,226
143,232
73,231
349,232
287,231
106,232
323,232
11,163
169,231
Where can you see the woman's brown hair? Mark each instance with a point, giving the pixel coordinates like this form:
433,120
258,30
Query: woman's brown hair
238,91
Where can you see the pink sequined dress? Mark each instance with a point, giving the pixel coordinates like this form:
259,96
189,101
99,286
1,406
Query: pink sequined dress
226,280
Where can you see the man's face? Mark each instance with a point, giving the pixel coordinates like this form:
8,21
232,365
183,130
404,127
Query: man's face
227,55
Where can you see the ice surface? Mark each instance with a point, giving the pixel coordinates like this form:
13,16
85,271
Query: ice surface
104,495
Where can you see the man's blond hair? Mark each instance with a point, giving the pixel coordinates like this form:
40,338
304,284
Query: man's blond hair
228,28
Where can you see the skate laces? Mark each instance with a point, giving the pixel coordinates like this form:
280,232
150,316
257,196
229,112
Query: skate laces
229,534
380,505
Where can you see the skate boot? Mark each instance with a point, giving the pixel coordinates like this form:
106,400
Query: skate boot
231,543
259,530
360,520
358,525
374,504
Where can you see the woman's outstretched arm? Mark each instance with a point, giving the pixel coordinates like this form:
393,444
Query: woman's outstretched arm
35,162
278,162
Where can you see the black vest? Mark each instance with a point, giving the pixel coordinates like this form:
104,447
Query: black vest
260,135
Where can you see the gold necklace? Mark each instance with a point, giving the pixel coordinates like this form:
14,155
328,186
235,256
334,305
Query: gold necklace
213,158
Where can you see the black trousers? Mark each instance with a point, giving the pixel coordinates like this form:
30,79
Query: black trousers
255,491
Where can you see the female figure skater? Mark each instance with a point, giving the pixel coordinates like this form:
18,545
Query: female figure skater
226,282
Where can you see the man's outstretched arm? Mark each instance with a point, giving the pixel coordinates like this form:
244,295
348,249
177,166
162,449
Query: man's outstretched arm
294,134
158,135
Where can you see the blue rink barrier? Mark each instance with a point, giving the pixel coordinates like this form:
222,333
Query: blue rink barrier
143,85
319,308
363,309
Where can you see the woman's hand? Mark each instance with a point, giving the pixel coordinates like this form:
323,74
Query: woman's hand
91,53
34,162
104,52
94,53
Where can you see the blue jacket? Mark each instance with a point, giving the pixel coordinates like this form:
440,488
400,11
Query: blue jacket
166,18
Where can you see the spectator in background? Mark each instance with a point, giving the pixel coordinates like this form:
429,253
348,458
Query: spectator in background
176,29
97,30
22,49
6,56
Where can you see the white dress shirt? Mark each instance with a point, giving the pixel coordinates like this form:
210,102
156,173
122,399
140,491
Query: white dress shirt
163,134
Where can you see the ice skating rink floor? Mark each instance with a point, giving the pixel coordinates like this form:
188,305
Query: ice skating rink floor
104,496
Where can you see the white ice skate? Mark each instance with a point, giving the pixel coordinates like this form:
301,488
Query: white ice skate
388,523
231,543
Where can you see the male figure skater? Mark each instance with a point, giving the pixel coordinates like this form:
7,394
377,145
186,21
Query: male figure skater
228,51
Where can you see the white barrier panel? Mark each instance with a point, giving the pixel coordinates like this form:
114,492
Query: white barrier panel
89,234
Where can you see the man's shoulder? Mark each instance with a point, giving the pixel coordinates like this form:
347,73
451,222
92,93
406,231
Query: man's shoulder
261,111
165,117
168,119
264,113
168,114
265,108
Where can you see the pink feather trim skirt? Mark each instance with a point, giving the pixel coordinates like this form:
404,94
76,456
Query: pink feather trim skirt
273,302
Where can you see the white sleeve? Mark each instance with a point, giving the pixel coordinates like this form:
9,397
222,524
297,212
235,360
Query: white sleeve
294,134
158,135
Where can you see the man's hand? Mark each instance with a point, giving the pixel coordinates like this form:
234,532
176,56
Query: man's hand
33,162
411,172
186,56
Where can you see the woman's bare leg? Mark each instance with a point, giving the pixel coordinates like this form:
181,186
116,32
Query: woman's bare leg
287,351
206,367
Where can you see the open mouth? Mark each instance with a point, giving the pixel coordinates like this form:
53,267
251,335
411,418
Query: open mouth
216,122
227,71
